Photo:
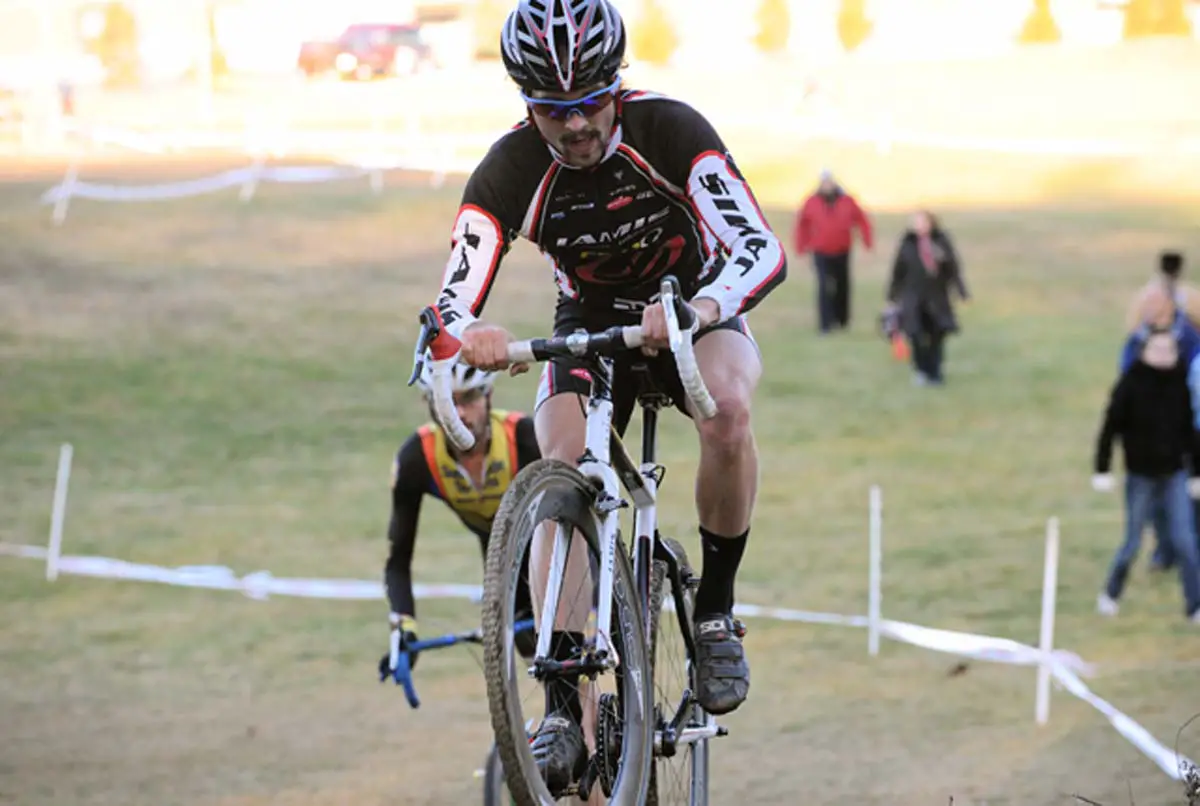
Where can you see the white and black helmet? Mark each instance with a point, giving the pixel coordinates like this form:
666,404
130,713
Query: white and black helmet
466,378
562,45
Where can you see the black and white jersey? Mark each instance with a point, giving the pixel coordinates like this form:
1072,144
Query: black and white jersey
666,198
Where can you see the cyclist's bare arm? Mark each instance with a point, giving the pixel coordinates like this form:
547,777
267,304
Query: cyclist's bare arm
411,480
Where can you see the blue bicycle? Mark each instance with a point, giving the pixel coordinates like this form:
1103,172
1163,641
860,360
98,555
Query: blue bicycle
495,790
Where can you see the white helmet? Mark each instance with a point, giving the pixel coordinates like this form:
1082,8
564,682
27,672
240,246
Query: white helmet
465,378
562,45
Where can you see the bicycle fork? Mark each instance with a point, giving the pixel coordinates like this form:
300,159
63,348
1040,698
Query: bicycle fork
595,464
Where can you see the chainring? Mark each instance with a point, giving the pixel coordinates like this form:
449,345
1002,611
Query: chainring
609,732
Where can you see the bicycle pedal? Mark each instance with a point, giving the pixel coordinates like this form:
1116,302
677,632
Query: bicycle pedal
739,628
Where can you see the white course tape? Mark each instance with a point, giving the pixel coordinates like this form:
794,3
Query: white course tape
967,645
1065,666
1175,766
290,174
256,585
981,647
156,192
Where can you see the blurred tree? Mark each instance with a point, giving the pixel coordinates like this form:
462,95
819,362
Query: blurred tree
1173,19
653,38
109,32
853,26
1139,19
1040,26
219,65
1156,18
489,16
774,26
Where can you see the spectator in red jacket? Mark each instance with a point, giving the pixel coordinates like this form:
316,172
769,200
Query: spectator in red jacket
825,226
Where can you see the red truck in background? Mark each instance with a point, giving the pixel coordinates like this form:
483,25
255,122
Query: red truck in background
368,50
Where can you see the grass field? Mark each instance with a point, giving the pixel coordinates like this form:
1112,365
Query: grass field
232,378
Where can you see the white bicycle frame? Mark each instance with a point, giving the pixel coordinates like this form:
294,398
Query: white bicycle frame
597,467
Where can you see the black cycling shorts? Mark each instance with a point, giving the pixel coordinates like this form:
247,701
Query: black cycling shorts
561,375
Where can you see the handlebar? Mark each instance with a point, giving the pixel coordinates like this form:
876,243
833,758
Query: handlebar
444,351
402,666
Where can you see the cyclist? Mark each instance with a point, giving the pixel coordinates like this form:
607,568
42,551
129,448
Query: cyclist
617,188
471,484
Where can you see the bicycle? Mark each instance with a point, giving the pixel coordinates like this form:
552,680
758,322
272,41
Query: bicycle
495,791
637,732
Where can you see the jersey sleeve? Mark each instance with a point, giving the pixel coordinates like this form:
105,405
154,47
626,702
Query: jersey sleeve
528,451
698,161
410,481
489,219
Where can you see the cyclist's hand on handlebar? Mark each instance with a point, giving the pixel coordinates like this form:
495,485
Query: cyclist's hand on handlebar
486,347
654,323
654,329
406,626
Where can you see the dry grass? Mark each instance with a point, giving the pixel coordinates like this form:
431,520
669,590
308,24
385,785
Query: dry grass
232,379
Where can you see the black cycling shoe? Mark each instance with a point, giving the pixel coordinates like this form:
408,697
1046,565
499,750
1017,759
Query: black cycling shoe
722,674
559,750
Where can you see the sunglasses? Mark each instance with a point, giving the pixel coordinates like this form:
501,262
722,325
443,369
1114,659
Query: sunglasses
587,106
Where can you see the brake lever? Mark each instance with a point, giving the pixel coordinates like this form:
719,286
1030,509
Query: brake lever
403,676
430,330
401,670
670,293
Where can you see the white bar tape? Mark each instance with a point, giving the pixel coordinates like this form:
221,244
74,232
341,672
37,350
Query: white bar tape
685,360
443,404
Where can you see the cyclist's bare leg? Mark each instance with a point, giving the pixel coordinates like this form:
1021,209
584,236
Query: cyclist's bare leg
560,746
727,481
726,486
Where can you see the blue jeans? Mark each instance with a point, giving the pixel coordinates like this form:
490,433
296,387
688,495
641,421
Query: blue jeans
1164,555
1141,494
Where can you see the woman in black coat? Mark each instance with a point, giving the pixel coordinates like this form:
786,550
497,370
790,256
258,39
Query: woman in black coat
924,272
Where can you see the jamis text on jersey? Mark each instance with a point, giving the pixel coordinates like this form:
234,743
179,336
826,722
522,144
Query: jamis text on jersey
635,227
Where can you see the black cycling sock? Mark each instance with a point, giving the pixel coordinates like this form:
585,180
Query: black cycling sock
562,694
722,556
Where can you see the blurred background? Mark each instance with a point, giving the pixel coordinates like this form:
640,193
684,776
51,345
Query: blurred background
1108,78
228,358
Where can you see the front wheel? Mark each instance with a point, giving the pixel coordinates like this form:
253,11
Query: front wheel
618,722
